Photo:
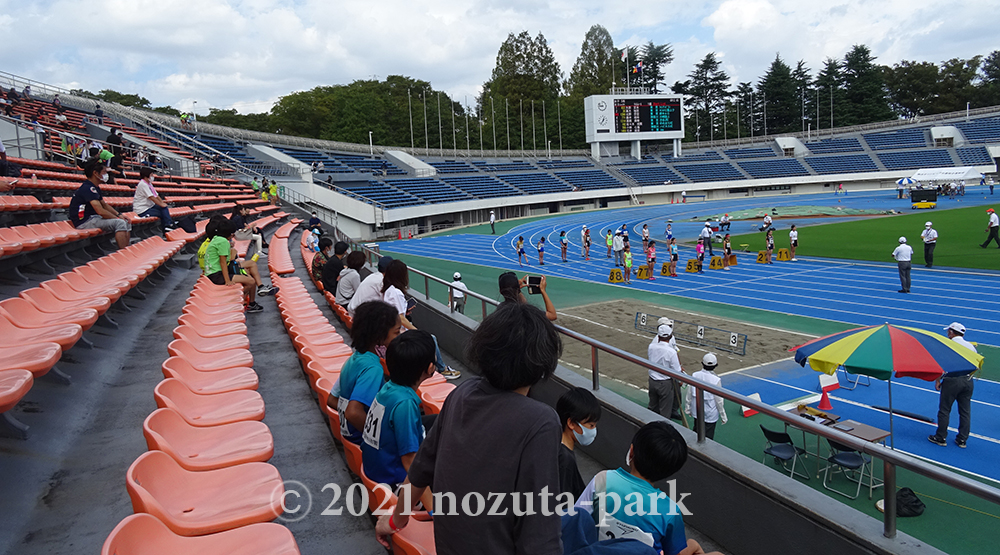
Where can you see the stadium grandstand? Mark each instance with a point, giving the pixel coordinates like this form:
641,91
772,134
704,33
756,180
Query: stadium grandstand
147,410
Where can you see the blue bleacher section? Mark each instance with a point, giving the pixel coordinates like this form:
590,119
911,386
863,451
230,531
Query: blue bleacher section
750,152
330,165
916,159
703,157
586,180
904,138
512,166
825,165
380,192
789,167
982,130
974,156
367,165
645,160
564,164
430,190
655,175
709,172
230,148
452,166
535,183
482,186
831,146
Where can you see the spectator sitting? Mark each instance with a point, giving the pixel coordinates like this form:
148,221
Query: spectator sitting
371,288
329,273
315,224
375,324
221,267
26,92
320,259
312,241
56,103
491,437
657,452
87,209
510,290
394,284
13,96
148,203
578,412
245,231
388,453
349,279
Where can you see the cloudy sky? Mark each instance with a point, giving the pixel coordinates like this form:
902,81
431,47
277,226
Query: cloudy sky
247,53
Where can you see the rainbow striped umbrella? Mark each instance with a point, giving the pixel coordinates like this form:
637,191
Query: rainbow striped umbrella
884,350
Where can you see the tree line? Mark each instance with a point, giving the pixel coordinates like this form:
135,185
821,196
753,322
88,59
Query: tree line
529,103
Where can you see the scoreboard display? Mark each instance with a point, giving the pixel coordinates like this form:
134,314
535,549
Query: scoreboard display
630,118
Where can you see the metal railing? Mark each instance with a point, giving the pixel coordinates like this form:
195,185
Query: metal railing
891,459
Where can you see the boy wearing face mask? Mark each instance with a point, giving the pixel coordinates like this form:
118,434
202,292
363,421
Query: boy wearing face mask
87,209
578,412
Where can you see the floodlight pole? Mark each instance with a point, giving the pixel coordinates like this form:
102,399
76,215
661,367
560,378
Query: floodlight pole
409,108
371,146
493,123
506,120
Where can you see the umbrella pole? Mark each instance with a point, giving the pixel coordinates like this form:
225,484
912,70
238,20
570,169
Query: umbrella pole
892,439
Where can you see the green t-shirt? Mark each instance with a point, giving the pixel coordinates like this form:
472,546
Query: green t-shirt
218,246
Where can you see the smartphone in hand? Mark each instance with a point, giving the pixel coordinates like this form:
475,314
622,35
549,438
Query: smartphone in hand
534,285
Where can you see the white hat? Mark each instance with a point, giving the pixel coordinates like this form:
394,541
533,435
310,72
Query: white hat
584,227
902,239
491,211
709,360
457,275
955,326
928,224
708,224
618,232
664,321
664,330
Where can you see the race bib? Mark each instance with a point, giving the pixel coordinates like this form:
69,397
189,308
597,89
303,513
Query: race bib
373,424
342,411
615,529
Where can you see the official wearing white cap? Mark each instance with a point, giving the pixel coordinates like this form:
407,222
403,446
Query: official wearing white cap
930,236
706,237
903,254
458,289
493,221
955,386
714,406
662,389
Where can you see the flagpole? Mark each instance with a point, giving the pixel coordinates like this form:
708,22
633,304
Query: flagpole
628,77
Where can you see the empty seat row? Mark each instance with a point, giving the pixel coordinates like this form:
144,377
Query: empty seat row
759,152
903,138
590,179
849,163
653,175
760,169
279,261
204,486
916,159
709,172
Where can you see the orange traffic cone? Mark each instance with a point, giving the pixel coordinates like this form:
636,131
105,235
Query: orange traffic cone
400,233
824,402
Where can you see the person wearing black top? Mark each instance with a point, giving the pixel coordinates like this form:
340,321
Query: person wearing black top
331,270
578,412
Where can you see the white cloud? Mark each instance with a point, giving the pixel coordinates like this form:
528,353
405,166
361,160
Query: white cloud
247,53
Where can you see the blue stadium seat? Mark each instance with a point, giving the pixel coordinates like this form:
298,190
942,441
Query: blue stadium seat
593,179
982,130
452,166
536,183
482,186
564,164
511,166
709,172
430,190
825,165
655,175
974,156
766,152
916,159
788,167
231,149
702,157
830,146
904,138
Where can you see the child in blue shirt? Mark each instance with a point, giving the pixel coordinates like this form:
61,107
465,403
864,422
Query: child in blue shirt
657,452
393,430
375,323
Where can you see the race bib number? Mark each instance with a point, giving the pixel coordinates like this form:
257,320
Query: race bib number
612,528
342,411
373,424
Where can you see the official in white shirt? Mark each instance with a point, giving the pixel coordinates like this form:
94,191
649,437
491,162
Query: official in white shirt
903,255
662,389
930,236
955,386
992,228
458,293
493,221
706,238
714,407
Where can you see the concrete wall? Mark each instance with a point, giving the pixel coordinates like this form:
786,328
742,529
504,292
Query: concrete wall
745,506
20,142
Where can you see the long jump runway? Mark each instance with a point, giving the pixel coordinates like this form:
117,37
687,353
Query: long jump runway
861,293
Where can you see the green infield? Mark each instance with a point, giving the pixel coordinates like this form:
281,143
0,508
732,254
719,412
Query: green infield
960,232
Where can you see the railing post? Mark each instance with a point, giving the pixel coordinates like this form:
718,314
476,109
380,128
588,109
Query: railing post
699,424
451,299
889,497
484,309
595,372
427,288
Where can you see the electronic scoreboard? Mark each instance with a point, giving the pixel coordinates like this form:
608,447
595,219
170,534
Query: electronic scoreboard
633,118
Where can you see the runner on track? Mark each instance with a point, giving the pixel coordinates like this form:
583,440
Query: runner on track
520,251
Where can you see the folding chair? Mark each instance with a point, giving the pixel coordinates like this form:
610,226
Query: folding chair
855,381
849,461
780,446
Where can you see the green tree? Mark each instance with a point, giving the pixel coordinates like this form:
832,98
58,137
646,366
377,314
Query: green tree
624,66
913,88
706,89
655,58
594,68
958,84
829,85
232,118
780,101
864,88
806,95
989,84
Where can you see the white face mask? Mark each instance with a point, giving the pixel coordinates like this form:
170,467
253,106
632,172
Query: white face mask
104,177
587,437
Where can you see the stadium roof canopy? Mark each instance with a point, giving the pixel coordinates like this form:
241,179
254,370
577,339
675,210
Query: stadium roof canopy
947,174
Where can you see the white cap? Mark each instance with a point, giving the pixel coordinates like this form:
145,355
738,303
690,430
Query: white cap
955,326
664,330
709,360
928,224
584,227
708,224
491,211
457,275
902,239
664,321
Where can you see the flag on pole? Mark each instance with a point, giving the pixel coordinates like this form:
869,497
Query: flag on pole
637,68
624,54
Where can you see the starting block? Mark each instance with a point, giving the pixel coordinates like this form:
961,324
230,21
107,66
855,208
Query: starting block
761,257
783,255
693,266
665,269
642,272
716,263
616,276
747,411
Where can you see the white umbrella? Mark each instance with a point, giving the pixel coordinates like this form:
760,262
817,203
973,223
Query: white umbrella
905,181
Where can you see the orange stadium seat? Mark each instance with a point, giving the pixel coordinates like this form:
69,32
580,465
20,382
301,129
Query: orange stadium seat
207,448
26,315
221,380
205,344
209,410
144,534
66,335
